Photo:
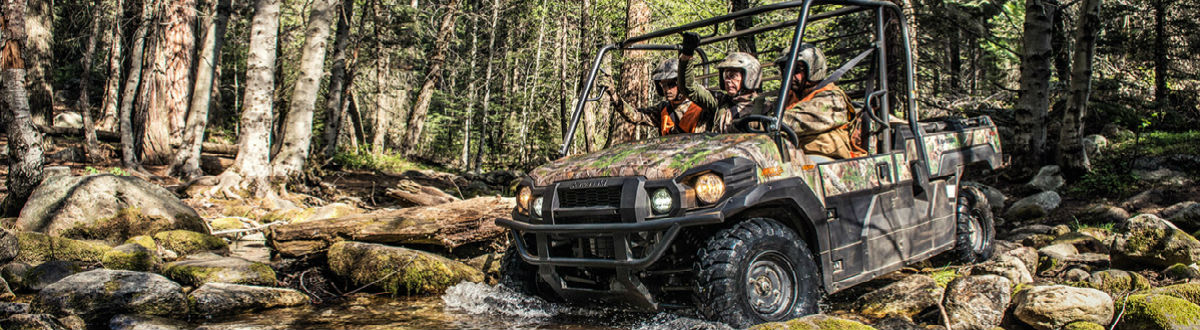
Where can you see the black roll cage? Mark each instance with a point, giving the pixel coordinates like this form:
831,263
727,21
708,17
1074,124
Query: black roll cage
800,24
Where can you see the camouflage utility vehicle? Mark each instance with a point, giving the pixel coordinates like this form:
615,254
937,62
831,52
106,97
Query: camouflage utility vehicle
743,227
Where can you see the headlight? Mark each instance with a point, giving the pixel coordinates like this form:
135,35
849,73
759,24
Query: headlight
661,201
537,206
709,188
523,198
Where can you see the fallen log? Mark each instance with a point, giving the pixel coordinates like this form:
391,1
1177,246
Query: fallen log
114,137
449,226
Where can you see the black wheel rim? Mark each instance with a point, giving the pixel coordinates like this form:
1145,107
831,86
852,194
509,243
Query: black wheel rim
771,285
975,234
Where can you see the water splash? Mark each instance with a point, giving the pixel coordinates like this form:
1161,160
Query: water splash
668,321
478,298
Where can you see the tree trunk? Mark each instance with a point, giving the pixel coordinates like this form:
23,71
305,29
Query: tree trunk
955,61
585,62
186,163
251,167
471,94
24,143
381,117
109,105
168,84
416,121
635,70
1072,157
129,147
532,92
1161,65
91,147
1033,100
487,87
40,55
1062,58
745,43
297,132
335,100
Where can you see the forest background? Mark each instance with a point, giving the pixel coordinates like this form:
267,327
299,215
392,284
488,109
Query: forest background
296,87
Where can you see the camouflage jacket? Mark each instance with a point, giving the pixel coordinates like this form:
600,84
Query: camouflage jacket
725,108
820,120
692,117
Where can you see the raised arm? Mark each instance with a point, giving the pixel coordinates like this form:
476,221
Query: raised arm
687,83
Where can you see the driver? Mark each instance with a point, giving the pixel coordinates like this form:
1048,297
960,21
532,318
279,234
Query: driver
739,77
676,113
821,117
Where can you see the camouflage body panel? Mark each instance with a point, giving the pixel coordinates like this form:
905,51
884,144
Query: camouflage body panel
941,143
665,157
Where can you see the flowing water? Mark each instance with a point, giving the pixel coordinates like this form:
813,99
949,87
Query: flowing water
463,306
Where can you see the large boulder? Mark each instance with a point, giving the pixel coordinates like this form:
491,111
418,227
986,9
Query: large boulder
32,322
977,302
1008,266
1094,145
1147,240
1181,272
1117,282
1033,207
905,298
1054,306
225,298
1185,215
814,322
105,207
397,270
130,256
98,294
48,273
37,248
184,242
1158,312
1102,213
14,274
449,226
1048,178
201,270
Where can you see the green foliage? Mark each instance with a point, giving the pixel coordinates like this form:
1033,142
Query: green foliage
364,159
1112,174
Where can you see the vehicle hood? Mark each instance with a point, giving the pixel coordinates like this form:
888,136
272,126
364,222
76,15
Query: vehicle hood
660,158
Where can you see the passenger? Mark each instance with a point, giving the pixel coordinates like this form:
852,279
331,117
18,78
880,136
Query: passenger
676,113
821,117
740,80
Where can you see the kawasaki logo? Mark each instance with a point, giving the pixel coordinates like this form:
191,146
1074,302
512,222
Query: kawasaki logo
588,184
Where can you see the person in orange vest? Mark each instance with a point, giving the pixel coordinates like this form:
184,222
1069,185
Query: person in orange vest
676,113
821,116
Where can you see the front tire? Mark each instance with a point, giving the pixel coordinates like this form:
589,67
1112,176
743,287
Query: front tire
519,276
975,229
757,271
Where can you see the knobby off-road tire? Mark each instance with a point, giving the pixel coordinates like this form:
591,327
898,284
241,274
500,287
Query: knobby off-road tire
757,271
975,230
517,275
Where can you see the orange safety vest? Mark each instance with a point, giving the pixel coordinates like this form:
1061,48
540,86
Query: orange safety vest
687,122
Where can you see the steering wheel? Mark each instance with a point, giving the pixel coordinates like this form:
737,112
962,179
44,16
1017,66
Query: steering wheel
743,124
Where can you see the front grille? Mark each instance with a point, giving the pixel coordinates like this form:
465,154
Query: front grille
563,220
590,197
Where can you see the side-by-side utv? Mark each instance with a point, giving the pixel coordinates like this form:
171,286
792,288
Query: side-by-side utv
744,227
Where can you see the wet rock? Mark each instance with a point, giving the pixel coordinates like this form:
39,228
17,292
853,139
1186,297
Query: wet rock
903,299
198,271
1181,272
98,294
130,256
449,226
397,270
410,193
1054,306
1009,267
1094,145
1158,312
1082,242
1102,213
1076,275
186,242
1185,215
32,322
1048,178
37,248
225,298
814,322
1033,207
977,302
14,274
1148,240
104,207
145,322
489,264
48,273
1117,282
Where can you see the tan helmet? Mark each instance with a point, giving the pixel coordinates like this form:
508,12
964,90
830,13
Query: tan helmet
667,70
811,59
751,70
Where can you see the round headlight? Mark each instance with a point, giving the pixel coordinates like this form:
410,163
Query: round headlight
537,206
523,198
661,201
709,188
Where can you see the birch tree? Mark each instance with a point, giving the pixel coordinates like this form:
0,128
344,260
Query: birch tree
297,132
24,142
251,169
1071,155
1033,100
186,163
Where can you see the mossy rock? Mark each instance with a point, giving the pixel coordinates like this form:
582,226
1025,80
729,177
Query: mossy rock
814,322
1116,282
1181,272
398,270
1158,311
1185,291
199,271
1082,242
188,242
1151,241
1084,325
36,248
226,223
130,257
144,240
